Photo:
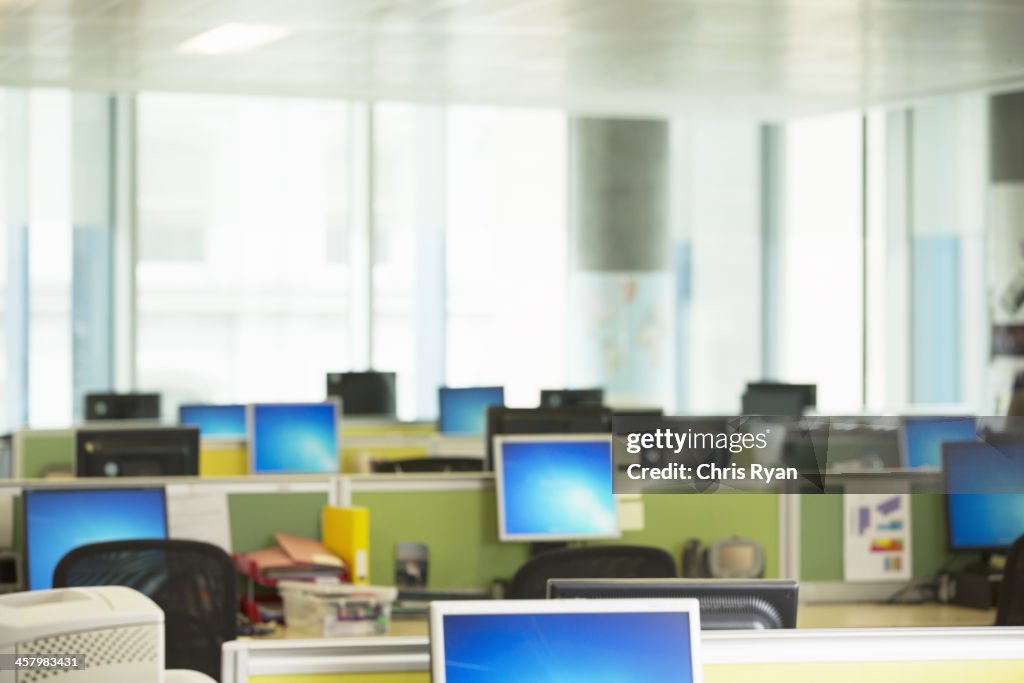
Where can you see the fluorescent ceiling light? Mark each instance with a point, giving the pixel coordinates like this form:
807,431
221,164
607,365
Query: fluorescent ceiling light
233,38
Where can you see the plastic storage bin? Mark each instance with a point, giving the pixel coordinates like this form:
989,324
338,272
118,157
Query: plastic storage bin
341,609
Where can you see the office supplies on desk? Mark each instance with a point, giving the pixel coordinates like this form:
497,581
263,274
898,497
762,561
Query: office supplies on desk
412,561
330,610
307,551
655,641
346,533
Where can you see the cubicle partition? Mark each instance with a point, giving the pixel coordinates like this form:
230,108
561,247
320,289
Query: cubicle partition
938,655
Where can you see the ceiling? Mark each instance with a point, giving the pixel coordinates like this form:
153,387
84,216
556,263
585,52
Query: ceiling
769,58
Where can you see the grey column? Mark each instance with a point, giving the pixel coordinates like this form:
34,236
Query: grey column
1006,233
621,302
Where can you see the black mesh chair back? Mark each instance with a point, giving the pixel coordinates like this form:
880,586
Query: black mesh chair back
1011,591
193,583
431,464
597,562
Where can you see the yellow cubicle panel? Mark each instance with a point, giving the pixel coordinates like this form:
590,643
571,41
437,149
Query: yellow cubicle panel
859,672
223,460
805,672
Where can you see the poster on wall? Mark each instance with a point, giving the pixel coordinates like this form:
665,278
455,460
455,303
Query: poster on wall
876,537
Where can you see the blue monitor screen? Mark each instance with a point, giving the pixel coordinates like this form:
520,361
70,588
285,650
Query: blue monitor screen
551,488
224,421
561,648
985,502
298,438
59,520
464,411
923,438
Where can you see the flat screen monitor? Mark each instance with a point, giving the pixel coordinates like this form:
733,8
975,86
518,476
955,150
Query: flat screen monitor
367,393
555,487
725,604
464,409
571,420
985,495
112,406
499,641
156,452
225,421
293,438
59,520
921,439
558,398
778,399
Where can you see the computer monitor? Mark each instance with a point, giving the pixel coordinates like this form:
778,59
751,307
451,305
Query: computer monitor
367,393
112,406
921,439
293,438
58,520
555,487
984,486
464,409
156,452
570,420
776,398
725,604
494,641
225,421
558,398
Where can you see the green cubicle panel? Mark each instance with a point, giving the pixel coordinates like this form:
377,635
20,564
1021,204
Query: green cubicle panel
256,517
460,528
821,536
41,452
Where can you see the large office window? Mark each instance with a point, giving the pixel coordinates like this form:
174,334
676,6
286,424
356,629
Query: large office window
396,189
507,250
242,279
717,221
820,336
49,257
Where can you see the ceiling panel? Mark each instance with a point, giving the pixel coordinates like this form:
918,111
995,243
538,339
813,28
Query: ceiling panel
768,58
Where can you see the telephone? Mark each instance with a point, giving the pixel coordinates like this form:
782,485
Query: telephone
729,558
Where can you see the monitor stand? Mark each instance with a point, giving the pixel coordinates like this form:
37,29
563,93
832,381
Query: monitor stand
546,547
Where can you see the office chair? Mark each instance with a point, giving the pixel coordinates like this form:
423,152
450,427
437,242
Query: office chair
193,583
1010,611
597,562
431,464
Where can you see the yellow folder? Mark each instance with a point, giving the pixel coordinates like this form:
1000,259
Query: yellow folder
346,533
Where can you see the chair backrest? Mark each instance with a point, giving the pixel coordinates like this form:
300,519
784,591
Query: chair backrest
597,562
429,464
1011,591
194,584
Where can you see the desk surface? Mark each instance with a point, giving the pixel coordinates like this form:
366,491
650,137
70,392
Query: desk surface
848,615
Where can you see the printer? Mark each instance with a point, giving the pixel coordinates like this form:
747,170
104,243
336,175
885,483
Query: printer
111,633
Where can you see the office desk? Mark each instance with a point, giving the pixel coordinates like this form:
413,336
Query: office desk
876,615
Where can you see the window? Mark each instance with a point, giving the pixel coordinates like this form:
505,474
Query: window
507,250
821,260
49,258
242,287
